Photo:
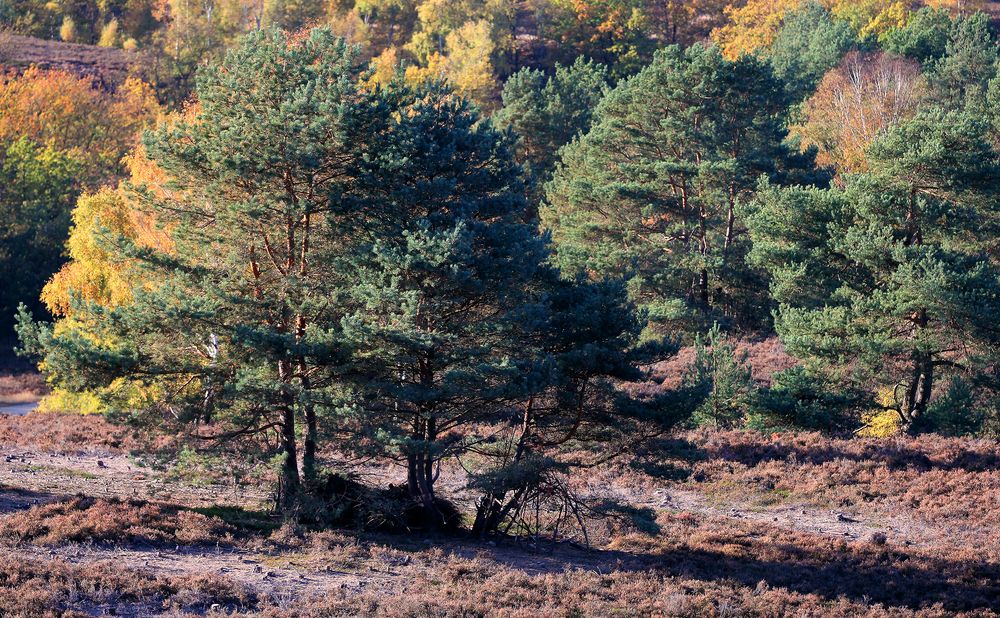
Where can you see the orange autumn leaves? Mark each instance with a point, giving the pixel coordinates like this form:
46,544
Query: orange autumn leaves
66,112
97,129
857,102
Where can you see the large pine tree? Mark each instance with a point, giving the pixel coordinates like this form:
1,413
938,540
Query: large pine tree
351,265
654,188
442,286
236,322
893,281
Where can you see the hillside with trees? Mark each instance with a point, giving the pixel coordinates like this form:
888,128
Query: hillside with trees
549,307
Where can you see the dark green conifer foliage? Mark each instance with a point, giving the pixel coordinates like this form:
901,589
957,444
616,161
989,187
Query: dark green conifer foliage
587,348
892,281
809,44
466,344
547,112
442,285
961,76
729,375
654,188
923,38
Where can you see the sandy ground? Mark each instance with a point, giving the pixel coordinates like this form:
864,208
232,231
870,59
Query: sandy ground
53,476
29,477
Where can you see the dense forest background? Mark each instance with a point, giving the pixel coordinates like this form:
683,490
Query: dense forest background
387,224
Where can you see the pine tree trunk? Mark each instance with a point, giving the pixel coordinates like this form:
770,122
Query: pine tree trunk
921,384
420,475
290,483
492,508
918,391
309,444
703,245
290,465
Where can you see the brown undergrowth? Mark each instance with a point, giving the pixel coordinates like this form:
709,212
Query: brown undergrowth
35,588
59,433
737,554
952,483
22,388
83,519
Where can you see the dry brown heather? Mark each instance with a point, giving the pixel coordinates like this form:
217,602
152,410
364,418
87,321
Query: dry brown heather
21,388
765,358
745,529
950,483
64,433
106,65
55,587
81,519
59,433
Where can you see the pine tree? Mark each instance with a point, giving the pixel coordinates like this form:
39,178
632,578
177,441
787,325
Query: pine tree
730,377
923,38
459,327
442,287
960,77
588,348
235,322
809,44
546,112
655,186
891,281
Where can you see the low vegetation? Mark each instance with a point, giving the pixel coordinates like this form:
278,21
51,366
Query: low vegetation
33,587
21,388
83,519
747,523
500,307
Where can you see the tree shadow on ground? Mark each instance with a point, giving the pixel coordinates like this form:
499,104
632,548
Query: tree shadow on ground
13,499
861,573
892,455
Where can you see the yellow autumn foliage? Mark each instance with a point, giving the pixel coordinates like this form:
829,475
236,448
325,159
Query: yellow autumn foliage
94,274
466,63
384,68
754,25
881,422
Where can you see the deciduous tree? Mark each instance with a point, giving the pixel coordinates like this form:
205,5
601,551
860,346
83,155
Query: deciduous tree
66,112
38,185
855,104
